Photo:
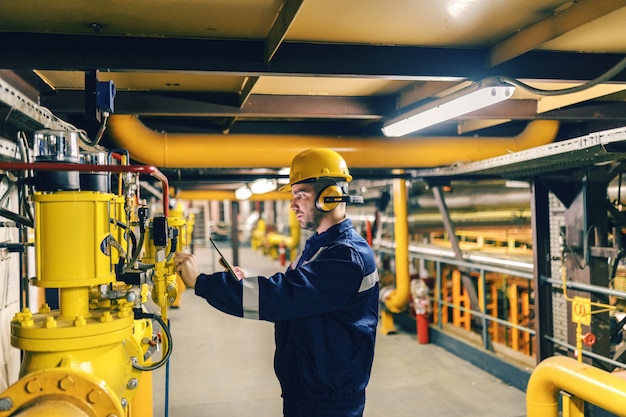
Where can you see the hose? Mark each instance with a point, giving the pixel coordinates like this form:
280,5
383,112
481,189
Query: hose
170,343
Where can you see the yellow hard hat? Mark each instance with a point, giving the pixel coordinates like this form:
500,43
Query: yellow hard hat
315,163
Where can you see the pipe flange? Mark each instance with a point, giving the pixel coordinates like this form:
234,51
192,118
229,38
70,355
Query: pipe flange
88,395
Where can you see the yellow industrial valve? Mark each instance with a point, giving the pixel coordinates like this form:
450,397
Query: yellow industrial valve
94,330
91,356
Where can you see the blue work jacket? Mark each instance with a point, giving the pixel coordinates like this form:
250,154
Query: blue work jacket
325,310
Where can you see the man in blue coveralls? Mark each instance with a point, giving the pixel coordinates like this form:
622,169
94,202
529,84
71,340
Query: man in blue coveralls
325,306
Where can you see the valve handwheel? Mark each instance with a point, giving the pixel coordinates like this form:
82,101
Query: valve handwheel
589,339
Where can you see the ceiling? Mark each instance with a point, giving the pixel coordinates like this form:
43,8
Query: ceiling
327,68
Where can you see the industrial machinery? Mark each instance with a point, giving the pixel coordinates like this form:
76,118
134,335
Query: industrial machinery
105,262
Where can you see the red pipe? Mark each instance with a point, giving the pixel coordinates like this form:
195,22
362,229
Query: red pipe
62,166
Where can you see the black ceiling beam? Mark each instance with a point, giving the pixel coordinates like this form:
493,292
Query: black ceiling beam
22,51
191,179
286,16
311,107
594,110
266,106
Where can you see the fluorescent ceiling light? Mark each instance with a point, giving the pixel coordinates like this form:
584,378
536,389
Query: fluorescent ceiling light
466,100
243,193
262,186
284,172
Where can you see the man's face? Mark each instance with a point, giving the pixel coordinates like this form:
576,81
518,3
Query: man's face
303,204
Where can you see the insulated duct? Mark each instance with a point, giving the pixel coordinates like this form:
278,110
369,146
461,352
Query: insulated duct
189,150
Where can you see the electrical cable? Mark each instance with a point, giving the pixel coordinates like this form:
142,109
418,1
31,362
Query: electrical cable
136,254
28,188
616,69
100,133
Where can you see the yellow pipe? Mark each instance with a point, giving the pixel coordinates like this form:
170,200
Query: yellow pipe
208,195
580,380
74,302
399,297
189,150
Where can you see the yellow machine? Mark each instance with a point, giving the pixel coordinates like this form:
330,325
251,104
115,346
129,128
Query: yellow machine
92,356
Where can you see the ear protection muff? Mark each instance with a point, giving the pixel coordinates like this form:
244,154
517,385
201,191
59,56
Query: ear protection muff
330,196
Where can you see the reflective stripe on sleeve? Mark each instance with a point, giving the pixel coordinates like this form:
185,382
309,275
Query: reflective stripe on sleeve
314,257
250,297
369,281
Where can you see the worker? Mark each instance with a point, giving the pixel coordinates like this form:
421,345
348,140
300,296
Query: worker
324,306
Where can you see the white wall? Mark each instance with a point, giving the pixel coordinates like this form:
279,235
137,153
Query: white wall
9,292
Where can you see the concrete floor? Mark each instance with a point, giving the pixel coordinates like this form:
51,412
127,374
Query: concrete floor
221,366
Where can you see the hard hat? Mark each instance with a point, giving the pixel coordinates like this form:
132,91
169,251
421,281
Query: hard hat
315,163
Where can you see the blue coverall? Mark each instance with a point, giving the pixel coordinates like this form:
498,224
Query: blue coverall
325,310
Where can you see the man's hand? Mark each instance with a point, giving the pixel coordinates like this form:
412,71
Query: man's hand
241,274
185,265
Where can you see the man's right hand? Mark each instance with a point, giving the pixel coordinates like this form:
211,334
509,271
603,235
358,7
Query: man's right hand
185,266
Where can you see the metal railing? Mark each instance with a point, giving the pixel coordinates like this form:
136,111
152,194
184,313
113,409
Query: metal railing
480,263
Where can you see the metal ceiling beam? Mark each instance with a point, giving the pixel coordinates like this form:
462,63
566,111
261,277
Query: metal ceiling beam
246,58
314,107
419,91
596,110
246,89
161,104
575,15
284,19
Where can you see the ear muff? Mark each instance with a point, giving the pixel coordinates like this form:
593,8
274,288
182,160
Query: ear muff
329,198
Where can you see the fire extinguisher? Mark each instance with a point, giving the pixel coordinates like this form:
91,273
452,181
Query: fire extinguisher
421,304
282,253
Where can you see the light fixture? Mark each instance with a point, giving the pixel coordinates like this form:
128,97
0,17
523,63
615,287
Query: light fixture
262,186
473,97
284,176
243,193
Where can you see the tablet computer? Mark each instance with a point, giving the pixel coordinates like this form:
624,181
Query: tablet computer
223,261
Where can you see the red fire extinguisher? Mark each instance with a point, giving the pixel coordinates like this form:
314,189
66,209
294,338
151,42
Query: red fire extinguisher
282,253
421,304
